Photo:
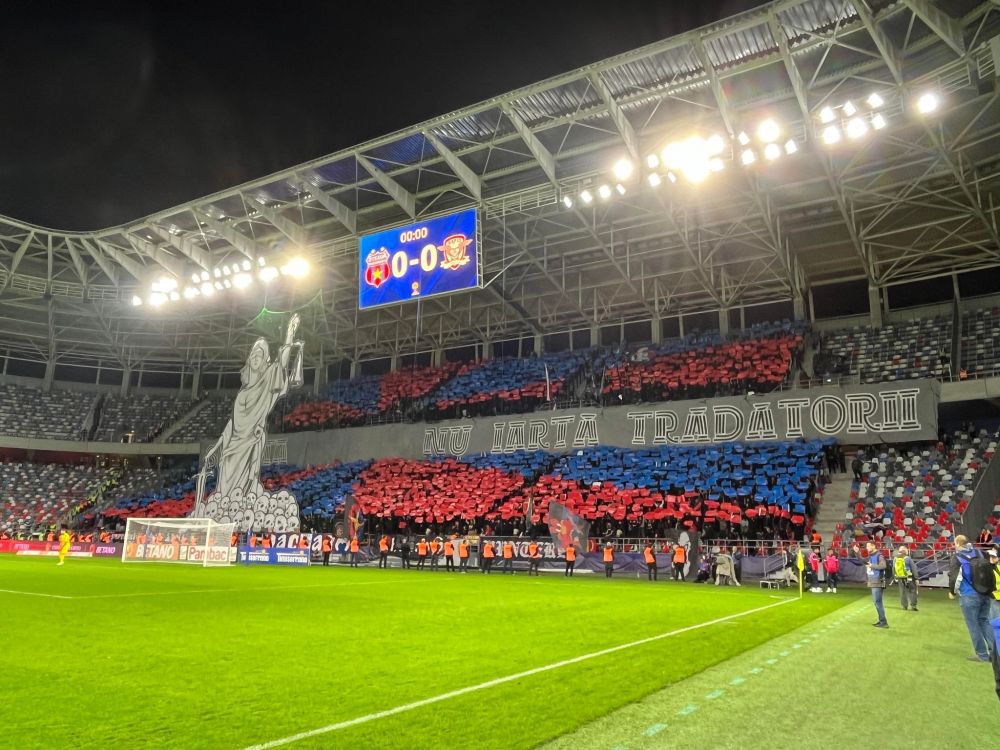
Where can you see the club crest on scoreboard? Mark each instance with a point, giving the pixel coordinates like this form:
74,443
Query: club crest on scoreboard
377,267
456,251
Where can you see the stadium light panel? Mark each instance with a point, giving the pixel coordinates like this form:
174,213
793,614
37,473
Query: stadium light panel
652,161
849,109
826,115
190,292
831,135
268,274
205,276
242,280
927,103
671,176
768,131
604,191
227,284
261,261
207,290
874,100
772,151
236,267
195,277
748,157
567,201
623,169
743,138
696,170
878,122
246,265
218,285
136,300
716,144
586,196
620,189
716,164
654,179
856,128
157,298
217,273
298,267
226,271
791,146
174,296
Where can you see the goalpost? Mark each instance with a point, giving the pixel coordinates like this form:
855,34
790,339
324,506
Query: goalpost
196,541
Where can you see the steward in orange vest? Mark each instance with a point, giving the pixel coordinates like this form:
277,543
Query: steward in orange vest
533,558
487,553
570,560
435,553
680,558
463,555
650,557
609,560
383,552
508,557
449,556
327,549
421,553
355,548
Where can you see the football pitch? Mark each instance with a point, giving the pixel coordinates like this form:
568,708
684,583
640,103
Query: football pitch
100,654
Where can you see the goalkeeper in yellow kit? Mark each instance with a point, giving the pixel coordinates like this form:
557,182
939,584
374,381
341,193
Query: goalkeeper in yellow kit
64,542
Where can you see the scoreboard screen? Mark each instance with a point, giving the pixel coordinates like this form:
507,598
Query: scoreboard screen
432,257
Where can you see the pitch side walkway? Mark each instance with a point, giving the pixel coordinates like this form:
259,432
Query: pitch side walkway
837,682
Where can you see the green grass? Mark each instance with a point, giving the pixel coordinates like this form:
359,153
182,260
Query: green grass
836,682
182,657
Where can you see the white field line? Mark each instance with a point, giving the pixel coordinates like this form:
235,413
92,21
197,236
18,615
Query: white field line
501,680
233,591
33,593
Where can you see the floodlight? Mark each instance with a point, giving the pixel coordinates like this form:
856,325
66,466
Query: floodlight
856,128
874,100
157,298
849,109
831,135
768,131
567,201
716,144
604,191
218,285
620,189
716,164
586,196
826,115
226,271
217,273
791,146
227,284
696,170
623,169
236,267
195,277
261,261
743,138
207,290
246,265
190,292
748,157
298,267
927,103
268,274
242,280
878,122
204,275
671,176
654,179
772,151
652,161
136,300
174,296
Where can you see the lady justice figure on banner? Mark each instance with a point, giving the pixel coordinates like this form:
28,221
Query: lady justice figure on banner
239,495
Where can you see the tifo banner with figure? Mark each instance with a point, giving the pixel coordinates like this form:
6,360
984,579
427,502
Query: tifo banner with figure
869,414
567,527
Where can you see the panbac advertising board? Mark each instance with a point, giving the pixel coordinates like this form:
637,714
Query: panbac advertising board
432,257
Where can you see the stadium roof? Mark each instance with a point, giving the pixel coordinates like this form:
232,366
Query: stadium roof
914,200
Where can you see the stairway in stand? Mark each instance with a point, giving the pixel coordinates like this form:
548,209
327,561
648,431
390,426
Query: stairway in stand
836,501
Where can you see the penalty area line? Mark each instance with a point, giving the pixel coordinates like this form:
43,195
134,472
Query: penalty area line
508,678
35,593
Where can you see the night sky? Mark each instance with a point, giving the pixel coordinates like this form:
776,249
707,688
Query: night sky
107,118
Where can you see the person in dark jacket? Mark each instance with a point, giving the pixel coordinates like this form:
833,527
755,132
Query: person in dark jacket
856,466
875,574
975,606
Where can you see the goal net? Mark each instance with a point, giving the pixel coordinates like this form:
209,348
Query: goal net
197,541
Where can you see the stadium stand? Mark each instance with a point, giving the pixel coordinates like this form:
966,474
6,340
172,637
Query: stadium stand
207,422
506,386
35,495
32,412
896,351
707,365
915,496
981,342
141,414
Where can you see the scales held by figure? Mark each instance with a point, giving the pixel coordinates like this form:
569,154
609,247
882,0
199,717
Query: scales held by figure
239,495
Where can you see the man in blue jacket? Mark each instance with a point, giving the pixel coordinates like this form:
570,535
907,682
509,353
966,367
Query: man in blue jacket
975,606
875,575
